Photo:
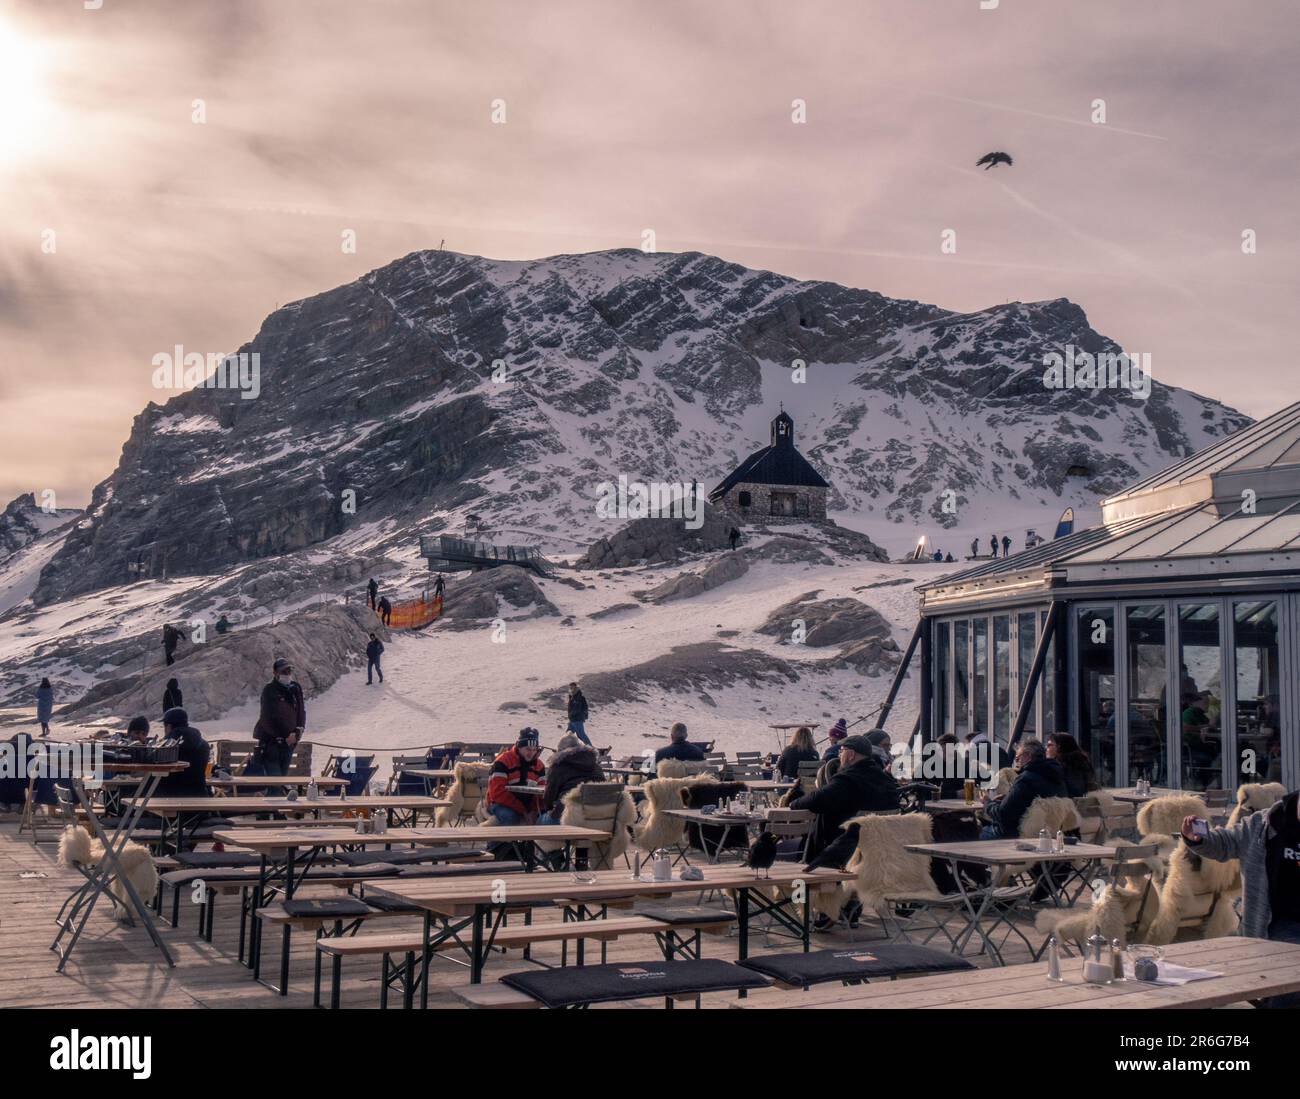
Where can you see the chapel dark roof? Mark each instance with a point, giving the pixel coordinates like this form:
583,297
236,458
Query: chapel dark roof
777,464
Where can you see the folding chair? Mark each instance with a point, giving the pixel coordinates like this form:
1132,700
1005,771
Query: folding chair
791,824
358,770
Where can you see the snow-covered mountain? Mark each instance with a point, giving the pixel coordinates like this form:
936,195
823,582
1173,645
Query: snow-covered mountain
444,384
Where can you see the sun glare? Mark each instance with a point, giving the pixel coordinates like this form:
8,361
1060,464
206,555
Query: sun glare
21,102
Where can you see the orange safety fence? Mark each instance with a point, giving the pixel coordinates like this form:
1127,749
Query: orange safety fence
414,615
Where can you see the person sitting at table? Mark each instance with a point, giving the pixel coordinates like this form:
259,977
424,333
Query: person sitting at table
799,750
952,783
678,747
137,729
194,751
1037,777
1267,844
1079,777
573,764
517,766
860,785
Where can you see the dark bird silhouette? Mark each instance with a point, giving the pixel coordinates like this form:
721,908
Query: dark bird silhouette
990,159
762,853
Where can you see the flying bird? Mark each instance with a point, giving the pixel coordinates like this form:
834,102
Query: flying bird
762,853
990,159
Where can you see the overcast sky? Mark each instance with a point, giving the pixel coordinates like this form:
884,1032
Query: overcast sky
376,116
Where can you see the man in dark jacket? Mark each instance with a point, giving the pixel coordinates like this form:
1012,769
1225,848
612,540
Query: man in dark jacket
194,751
579,711
171,638
372,591
678,747
1039,777
374,648
860,785
573,764
281,722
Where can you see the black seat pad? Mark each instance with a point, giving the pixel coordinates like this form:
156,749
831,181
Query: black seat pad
409,854
198,859
679,913
867,963
331,907
374,870
596,984
213,874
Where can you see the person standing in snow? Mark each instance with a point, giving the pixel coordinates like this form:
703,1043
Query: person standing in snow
385,610
579,711
172,698
373,651
733,536
974,547
1006,546
44,706
281,722
438,586
372,590
171,638
993,545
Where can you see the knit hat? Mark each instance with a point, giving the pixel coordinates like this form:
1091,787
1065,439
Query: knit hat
839,730
138,725
177,718
526,737
878,738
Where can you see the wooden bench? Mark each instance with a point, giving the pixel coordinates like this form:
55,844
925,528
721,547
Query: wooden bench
411,944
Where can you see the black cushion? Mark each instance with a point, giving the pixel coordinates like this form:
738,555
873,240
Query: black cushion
197,859
682,913
866,963
374,870
328,907
212,874
409,854
596,984
383,903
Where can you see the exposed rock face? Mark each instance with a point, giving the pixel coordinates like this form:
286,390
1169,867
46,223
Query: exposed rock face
721,570
482,597
826,621
231,669
384,388
657,541
22,522
686,669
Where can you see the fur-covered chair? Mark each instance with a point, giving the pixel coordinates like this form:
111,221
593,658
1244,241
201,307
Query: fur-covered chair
1161,819
468,786
657,828
1053,814
683,768
1254,796
78,848
1124,908
603,805
1003,781
1196,898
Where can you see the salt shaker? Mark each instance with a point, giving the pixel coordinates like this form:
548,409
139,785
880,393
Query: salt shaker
1060,842
1054,960
1044,840
1117,960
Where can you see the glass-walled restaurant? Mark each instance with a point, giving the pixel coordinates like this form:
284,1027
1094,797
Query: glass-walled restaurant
1166,639
1219,658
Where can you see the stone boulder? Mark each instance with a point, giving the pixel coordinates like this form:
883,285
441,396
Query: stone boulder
482,597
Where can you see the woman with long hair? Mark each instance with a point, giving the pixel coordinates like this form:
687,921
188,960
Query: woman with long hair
800,750
172,697
1079,775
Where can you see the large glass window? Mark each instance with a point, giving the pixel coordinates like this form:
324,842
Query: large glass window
1200,700
1002,703
1097,717
1259,718
979,699
1148,684
941,679
961,679
1027,625
1049,680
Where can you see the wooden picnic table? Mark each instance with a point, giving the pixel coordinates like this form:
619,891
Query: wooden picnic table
527,791
951,805
436,774
1001,855
454,905
715,820
281,868
1129,794
1251,968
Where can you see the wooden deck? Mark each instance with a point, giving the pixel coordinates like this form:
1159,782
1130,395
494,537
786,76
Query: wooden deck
116,967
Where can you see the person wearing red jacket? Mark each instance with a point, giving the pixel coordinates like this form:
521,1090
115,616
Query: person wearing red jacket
517,766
